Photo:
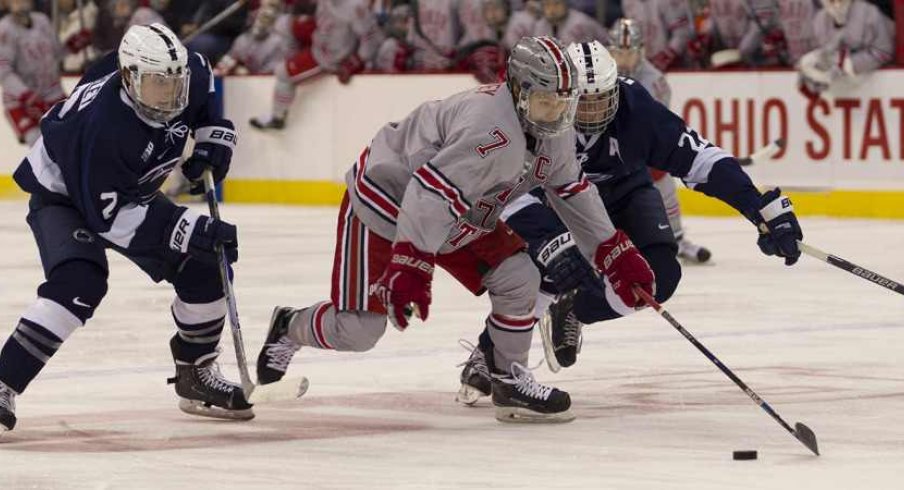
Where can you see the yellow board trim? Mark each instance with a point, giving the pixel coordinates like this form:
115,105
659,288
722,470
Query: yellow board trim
836,203
307,192
9,189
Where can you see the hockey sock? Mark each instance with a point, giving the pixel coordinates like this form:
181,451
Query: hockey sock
199,328
312,326
510,337
32,343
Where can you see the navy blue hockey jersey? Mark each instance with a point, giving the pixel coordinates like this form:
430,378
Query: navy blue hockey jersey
645,134
110,162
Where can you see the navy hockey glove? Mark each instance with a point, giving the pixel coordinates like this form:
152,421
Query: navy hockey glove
198,236
564,265
214,145
779,229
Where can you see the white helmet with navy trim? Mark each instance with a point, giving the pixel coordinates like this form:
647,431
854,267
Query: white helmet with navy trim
154,66
597,77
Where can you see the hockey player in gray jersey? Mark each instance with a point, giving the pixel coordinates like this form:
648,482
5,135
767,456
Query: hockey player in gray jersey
622,131
429,191
854,39
626,47
29,68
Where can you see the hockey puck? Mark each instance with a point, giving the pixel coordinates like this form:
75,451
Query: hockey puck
743,455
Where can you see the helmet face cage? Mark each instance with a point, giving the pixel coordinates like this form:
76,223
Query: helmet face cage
626,45
159,96
543,84
154,67
596,111
597,84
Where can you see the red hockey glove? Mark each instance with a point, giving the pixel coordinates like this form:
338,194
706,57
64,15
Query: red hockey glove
623,265
664,59
406,281
351,65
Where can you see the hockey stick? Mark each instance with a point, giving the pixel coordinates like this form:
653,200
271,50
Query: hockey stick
763,153
215,20
286,389
854,269
799,431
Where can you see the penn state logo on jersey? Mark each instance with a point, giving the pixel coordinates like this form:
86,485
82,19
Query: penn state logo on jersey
599,156
175,132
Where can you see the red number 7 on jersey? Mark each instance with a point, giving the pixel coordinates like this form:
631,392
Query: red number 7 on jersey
500,140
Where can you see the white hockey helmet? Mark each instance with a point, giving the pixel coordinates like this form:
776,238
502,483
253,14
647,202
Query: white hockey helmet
838,10
154,67
597,77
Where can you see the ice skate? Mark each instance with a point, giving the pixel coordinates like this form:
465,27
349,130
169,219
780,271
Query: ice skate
475,376
278,349
7,408
519,398
560,331
204,391
268,123
692,252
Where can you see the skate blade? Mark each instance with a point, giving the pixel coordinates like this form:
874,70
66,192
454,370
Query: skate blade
518,415
283,390
468,395
549,351
199,408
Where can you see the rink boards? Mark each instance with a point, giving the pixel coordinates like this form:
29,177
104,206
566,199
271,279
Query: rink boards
844,154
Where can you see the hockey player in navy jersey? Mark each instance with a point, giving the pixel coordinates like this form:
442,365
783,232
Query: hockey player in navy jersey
94,177
621,131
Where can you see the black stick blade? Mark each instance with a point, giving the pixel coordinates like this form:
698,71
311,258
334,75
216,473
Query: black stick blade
806,436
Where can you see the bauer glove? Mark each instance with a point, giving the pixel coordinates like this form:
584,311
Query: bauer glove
198,236
778,226
563,265
624,267
404,288
214,145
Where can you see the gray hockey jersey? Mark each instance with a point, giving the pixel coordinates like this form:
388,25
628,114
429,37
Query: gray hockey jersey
867,37
441,177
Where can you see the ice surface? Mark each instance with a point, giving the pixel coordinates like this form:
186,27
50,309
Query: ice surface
821,346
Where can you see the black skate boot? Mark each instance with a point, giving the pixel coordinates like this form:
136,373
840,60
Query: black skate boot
560,331
268,123
7,408
519,398
692,252
204,391
475,377
278,349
